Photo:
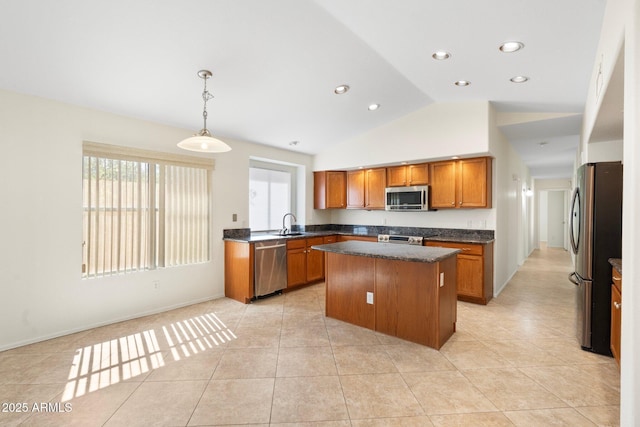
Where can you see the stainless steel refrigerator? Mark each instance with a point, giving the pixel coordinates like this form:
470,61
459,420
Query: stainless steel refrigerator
596,236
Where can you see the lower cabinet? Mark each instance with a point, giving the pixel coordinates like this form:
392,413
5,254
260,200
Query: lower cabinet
475,270
238,271
616,314
305,265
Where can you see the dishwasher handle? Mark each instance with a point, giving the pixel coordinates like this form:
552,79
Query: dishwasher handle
260,248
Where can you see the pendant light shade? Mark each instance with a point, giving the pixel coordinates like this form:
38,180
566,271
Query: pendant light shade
203,141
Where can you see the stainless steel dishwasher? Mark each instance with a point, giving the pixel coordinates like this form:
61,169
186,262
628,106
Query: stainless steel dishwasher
270,272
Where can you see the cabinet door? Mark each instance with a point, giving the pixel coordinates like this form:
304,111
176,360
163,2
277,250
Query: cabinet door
315,260
336,189
296,267
443,185
616,322
397,176
330,239
329,189
474,182
470,276
355,189
418,174
375,183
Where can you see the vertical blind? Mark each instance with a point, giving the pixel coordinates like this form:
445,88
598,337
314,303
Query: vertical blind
143,210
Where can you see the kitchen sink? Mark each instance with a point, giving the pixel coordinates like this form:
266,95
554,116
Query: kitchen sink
295,233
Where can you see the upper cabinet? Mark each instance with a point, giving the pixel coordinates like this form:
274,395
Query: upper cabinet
454,184
408,175
462,183
365,188
330,189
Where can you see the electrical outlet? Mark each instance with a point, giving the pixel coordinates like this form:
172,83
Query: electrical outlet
442,279
156,284
234,217
369,297
469,224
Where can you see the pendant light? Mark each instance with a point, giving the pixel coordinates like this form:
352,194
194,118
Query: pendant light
203,141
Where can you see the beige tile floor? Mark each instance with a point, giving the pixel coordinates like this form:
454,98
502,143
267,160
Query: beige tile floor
281,362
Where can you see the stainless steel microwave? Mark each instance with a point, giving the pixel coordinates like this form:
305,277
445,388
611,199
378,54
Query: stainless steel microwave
409,199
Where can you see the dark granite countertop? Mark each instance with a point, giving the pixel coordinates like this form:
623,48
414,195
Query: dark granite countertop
261,237
616,263
389,251
430,234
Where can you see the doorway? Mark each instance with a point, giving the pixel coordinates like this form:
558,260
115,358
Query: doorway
553,218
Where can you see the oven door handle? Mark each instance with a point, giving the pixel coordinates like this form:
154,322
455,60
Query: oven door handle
572,280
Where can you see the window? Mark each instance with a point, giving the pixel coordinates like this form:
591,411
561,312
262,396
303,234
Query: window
271,194
143,210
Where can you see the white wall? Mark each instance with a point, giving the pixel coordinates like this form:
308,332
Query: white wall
436,131
609,151
43,294
621,27
630,374
513,210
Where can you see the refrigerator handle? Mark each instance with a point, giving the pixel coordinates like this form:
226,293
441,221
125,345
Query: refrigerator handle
572,280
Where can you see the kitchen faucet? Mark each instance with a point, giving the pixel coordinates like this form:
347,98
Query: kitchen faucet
284,228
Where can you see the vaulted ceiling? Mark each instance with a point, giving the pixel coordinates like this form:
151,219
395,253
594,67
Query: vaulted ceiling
275,64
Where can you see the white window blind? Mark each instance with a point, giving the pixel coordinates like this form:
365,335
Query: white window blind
143,210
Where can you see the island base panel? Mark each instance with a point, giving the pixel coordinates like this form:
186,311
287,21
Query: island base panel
350,278
409,302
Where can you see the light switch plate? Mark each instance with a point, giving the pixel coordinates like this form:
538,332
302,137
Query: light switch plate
369,297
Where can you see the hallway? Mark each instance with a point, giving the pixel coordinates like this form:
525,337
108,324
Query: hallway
280,361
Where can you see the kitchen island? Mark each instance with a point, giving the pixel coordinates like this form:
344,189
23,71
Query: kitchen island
401,290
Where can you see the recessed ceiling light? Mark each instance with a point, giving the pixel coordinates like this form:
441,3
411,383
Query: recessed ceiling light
341,89
455,157
373,107
542,144
441,55
519,79
462,83
508,47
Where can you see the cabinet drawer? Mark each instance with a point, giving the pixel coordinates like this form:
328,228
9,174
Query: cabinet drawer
466,248
314,241
296,244
330,239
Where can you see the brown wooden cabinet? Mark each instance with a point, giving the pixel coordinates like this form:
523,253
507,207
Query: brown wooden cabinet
616,314
475,270
355,189
238,271
304,265
374,184
329,190
365,188
296,262
408,175
462,183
